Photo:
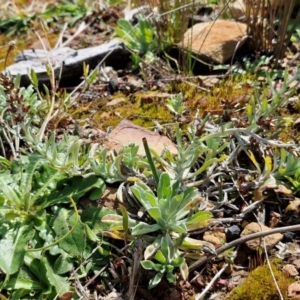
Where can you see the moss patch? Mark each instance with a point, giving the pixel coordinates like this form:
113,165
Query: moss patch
135,109
259,285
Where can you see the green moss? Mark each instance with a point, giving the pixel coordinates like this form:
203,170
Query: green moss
234,90
259,285
140,108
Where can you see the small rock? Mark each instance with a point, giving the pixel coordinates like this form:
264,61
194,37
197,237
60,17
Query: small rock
238,9
113,86
210,81
237,278
288,236
294,291
290,270
270,240
233,232
215,237
155,98
115,102
297,124
214,41
296,263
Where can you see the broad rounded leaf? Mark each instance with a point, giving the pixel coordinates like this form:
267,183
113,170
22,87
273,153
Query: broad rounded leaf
155,213
75,242
147,264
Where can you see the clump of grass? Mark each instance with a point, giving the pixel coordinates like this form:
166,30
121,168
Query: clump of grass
269,25
173,18
171,22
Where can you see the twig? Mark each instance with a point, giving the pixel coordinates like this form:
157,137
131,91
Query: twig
268,261
271,271
242,240
210,284
135,274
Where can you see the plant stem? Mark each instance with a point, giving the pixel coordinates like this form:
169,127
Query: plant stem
242,240
210,284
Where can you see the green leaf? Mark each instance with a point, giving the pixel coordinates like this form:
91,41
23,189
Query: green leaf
60,283
62,265
191,243
175,205
92,217
143,228
155,280
176,262
164,186
181,228
148,264
77,188
8,192
201,218
126,25
74,243
171,277
155,213
149,198
37,267
12,247
34,79
160,257
17,283
17,81
91,234
144,195
96,193
167,247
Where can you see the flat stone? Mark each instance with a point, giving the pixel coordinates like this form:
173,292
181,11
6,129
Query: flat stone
214,41
127,133
65,61
116,102
215,237
270,240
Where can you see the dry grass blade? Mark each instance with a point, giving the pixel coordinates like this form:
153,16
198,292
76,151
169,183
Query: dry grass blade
11,47
268,20
135,270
